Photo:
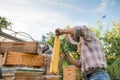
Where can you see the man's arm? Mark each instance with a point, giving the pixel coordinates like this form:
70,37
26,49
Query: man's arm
59,32
73,61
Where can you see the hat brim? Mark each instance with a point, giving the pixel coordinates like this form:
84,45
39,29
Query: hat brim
71,39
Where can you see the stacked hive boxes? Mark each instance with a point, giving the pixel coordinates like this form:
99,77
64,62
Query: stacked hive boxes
22,54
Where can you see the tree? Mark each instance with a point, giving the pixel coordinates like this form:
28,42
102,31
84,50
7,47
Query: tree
112,39
112,48
4,23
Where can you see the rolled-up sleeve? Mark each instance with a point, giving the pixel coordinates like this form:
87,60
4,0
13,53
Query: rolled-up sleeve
77,31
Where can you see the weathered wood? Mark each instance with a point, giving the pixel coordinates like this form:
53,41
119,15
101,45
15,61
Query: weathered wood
1,59
54,78
50,77
22,76
24,59
70,73
28,76
27,47
47,65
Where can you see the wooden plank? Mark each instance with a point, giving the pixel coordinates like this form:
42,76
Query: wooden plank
27,47
51,77
22,76
28,74
7,78
4,59
24,59
27,78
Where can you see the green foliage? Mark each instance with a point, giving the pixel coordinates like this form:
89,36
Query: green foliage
66,46
111,45
51,38
112,39
43,38
4,23
98,30
114,70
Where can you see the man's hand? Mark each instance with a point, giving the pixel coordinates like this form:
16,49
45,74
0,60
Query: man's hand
65,55
58,32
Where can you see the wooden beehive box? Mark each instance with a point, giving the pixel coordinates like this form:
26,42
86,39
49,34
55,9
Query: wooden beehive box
27,47
70,73
22,76
22,59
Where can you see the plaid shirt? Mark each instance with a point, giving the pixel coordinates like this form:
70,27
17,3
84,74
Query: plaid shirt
92,54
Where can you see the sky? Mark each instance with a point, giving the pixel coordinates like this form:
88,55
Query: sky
38,17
